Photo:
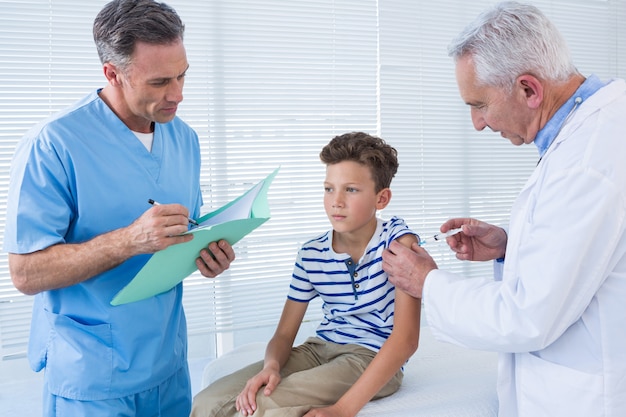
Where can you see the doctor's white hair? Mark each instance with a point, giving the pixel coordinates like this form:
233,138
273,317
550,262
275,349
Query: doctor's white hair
512,39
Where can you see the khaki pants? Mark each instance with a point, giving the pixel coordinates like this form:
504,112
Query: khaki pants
316,374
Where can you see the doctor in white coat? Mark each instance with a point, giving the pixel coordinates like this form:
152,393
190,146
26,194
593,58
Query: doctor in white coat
556,310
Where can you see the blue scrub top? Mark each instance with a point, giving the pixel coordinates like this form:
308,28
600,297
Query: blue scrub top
75,176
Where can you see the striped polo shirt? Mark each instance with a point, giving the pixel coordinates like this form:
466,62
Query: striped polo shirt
358,299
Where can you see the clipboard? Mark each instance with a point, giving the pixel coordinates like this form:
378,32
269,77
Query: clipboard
231,222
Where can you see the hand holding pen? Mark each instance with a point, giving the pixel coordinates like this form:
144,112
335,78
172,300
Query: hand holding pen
212,260
191,221
157,228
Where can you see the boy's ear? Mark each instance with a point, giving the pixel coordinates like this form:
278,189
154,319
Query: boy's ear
384,197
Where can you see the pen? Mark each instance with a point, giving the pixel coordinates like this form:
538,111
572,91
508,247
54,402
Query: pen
154,203
440,236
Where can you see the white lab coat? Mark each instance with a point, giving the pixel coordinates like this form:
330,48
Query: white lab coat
557,308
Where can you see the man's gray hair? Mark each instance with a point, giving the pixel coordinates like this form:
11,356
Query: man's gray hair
121,23
512,39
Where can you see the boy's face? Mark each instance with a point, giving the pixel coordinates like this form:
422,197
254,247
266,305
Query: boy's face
350,198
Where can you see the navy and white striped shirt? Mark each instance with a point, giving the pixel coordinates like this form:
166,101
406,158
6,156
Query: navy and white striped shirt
358,299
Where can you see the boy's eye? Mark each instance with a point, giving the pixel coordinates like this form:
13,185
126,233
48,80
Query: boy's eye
328,189
351,190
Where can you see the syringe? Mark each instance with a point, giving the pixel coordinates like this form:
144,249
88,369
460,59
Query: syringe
440,236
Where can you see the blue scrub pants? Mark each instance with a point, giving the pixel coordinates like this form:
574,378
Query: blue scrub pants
169,399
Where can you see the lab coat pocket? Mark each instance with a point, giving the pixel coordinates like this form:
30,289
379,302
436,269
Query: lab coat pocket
550,389
79,358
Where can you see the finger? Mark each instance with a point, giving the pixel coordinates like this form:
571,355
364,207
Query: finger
242,403
170,209
212,261
227,249
251,401
180,238
448,225
396,247
206,265
175,230
238,403
220,255
165,223
271,385
462,257
454,224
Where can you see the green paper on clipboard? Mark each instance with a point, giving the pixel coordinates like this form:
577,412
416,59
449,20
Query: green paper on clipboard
231,222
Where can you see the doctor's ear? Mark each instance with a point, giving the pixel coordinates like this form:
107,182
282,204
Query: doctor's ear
531,89
112,74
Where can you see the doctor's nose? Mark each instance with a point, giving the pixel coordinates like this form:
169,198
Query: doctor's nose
477,119
174,92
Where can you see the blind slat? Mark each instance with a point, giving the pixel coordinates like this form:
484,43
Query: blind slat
270,82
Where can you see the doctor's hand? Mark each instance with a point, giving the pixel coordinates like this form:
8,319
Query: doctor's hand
407,268
479,241
156,229
215,259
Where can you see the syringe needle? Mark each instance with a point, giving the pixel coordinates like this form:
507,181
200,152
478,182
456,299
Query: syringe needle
440,236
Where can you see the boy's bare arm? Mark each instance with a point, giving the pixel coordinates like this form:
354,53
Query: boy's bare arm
276,355
398,348
279,346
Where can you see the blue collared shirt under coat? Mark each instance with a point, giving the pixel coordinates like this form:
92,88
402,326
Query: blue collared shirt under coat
549,132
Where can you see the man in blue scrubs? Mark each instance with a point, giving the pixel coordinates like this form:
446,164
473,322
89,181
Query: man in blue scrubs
79,226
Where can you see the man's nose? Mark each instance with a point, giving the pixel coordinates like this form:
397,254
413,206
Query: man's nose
477,119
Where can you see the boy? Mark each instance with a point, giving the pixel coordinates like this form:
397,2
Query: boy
369,329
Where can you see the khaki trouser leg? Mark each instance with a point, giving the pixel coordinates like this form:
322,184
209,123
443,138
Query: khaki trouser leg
317,374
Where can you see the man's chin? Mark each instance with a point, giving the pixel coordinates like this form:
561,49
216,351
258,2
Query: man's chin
165,118
515,140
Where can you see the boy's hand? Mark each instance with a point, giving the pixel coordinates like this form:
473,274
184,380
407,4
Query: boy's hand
246,400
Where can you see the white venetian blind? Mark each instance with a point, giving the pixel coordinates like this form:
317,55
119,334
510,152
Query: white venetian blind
47,61
270,83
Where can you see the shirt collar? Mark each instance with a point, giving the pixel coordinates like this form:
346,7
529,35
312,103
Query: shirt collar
549,132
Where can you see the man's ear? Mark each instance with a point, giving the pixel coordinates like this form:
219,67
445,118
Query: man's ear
112,74
383,198
532,90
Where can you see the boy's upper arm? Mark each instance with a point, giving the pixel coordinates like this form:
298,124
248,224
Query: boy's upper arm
407,239
291,318
407,308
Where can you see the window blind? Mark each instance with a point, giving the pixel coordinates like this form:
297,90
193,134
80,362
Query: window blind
47,61
278,81
269,84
